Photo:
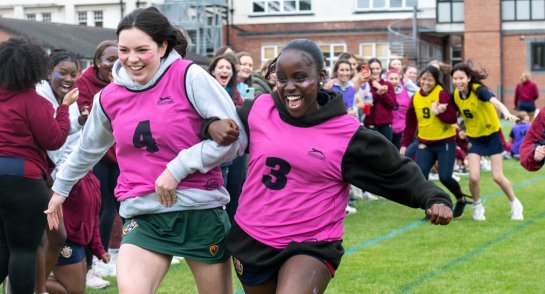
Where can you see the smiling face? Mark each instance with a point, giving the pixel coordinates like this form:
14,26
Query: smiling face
343,72
376,70
410,73
393,78
396,63
223,72
106,62
246,67
427,82
461,81
297,82
63,77
139,54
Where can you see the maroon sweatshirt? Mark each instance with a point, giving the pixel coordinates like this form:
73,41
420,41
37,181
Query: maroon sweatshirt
526,91
88,85
27,126
383,105
533,138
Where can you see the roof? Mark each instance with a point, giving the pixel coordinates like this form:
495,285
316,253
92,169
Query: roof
81,40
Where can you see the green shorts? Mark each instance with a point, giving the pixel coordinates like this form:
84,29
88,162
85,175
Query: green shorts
193,234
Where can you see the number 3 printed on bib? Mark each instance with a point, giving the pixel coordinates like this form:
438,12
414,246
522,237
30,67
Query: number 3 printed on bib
277,179
143,138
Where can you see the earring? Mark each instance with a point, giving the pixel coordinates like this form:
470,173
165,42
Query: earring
321,83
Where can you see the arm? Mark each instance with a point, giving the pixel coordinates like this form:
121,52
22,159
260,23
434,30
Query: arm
49,130
447,109
373,164
389,98
210,100
410,127
96,139
517,95
501,108
532,149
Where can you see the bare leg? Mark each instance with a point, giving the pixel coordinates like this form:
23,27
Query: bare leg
474,175
268,287
140,270
212,278
499,178
71,277
303,274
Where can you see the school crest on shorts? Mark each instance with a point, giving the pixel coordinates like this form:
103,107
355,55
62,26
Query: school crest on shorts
238,266
131,226
214,249
66,251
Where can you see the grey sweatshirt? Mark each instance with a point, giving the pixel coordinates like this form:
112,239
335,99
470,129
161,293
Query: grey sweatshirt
208,98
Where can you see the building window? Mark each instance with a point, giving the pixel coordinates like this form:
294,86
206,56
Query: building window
281,6
522,10
378,50
82,18
385,4
98,18
538,56
31,16
269,52
449,11
331,53
46,17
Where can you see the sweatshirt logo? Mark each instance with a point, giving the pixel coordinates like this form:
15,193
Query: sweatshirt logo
165,100
211,184
316,154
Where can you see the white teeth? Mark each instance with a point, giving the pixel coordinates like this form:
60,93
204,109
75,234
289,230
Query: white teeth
291,98
136,68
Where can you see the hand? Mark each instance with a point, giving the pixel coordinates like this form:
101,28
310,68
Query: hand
54,210
165,187
71,97
83,115
223,132
352,112
539,153
402,150
105,257
511,117
330,83
439,214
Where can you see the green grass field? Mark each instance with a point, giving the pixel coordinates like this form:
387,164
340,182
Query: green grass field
389,250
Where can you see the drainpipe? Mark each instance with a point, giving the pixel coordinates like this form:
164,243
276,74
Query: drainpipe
121,7
502,75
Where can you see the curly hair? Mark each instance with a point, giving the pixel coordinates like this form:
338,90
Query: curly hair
24,63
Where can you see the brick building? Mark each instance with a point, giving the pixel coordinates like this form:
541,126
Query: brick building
506,37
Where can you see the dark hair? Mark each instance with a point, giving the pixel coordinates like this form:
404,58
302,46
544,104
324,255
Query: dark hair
271,68
100,49
338,63
24,63
221,50
310,48
475,76
157,26
59,55
374,59
232,84
434,72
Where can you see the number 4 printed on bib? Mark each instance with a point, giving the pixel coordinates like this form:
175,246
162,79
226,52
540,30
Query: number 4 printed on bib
143,138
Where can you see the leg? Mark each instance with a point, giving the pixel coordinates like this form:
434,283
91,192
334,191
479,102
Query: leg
212,278
41,279
148,267
303,274
71,277
497,174
445,158
268,287
55,242
474,162
235,180
23,225
425,160
108,207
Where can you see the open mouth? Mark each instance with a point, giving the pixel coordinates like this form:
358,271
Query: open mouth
66,87
136,68
294,101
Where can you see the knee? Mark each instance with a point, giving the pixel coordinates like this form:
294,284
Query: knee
56,239
474,180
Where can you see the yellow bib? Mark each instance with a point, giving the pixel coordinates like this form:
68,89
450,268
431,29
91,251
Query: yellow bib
430,127
480,117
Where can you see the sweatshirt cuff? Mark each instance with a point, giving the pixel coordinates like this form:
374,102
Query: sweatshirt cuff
177,170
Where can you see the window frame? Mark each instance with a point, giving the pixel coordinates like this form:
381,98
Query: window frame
97,19
281,11
383,59
532,46
82,18
46,16
515,7
30,16
451,10
387,6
